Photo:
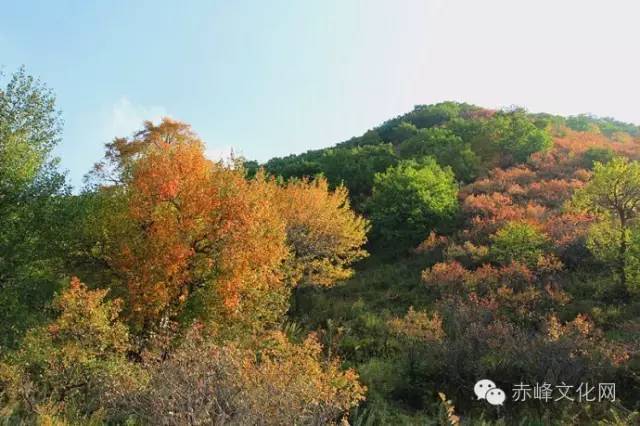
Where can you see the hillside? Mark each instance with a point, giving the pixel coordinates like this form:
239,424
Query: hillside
521,284
455,265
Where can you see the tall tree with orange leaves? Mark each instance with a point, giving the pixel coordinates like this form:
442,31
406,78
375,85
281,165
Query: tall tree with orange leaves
189,238
190,232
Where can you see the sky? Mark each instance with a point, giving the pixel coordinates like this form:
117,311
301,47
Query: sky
270,78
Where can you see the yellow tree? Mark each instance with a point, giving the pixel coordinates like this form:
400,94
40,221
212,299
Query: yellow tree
67,366
614,194
191,238
325,236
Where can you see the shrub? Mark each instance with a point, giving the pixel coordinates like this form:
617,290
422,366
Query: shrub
418,325
519,242
279,383
410,200
70,365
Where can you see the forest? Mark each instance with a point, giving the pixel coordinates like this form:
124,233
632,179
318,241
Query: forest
373,282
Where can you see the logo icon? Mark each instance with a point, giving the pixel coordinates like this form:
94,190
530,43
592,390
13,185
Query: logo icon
495,396
486,389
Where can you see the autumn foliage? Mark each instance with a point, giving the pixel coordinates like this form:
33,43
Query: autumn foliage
194,229
529,231
202,382
191,267
196,238
324,234
503,245
71,363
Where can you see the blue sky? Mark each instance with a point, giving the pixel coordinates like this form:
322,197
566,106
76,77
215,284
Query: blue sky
274,77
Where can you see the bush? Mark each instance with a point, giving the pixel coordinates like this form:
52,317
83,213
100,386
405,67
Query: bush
410,200
280,383
70,365
518,242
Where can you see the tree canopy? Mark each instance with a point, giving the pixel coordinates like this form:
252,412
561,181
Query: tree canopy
411,199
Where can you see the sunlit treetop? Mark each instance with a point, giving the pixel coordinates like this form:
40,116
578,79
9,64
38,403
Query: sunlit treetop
122,152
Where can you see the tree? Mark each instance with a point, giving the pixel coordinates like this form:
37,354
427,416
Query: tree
447,148
353,167
370,137
596,155
32,223
604,241
425,116
614,194
411,199
189,236
303,165
401,132
28,112
356,167
325,236
69,364
518,242
122,153
514,134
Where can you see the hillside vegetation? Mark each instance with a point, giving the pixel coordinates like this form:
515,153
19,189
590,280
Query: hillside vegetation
373,282
515,263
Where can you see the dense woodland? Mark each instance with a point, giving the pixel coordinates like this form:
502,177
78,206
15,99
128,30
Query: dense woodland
373,282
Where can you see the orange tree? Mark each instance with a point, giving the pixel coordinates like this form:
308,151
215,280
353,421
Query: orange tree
184,232
184,237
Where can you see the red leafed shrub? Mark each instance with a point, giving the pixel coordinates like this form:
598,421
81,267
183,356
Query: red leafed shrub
486,205
553,192
449,276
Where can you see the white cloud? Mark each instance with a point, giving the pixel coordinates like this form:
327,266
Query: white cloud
126,117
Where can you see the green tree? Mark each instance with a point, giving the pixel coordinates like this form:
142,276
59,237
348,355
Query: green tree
581,123
355,168
606,241
446,147
370,137
401,132
303,165
514,134
596,155
518,242
31,220
424,116
614,194
411,199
